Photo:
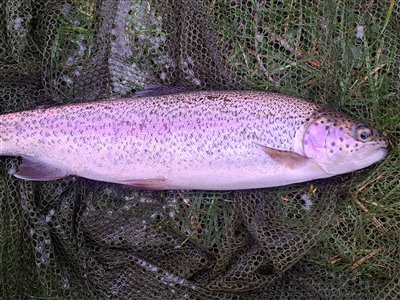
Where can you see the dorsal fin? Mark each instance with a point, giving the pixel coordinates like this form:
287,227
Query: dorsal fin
159,90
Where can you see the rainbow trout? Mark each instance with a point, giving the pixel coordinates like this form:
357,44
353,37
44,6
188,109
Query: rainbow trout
208,140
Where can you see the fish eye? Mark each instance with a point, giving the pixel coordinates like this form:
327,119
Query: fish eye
363,133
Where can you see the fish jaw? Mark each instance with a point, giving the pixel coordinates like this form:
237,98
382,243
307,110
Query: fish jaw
376,156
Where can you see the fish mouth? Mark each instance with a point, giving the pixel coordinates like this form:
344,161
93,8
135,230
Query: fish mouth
384,150
383,144
376,156
369,154
377,145
382,153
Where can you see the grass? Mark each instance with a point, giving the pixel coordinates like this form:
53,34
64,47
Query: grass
71,45
290,48
148,40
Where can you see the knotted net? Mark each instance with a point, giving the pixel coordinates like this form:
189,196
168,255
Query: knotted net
80,239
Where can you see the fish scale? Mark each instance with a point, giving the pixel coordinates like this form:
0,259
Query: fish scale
193,140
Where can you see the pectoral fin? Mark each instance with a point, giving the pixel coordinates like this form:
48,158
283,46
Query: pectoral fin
148,184
32,169
287,158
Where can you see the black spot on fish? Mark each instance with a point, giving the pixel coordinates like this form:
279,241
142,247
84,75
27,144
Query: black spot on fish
331,151
327,127
341,139
333,144
347,146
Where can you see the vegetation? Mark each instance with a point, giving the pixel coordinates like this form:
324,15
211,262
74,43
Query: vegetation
339,53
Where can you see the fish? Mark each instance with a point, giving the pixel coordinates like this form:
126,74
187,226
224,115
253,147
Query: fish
195,140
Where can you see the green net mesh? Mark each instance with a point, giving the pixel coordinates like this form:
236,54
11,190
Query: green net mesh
76,238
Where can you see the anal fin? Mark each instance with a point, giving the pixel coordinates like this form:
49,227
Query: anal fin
148,183
287,158
32,169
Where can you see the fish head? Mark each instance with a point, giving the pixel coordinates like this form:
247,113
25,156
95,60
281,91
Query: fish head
340,145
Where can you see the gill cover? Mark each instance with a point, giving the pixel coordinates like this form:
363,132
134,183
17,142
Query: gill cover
314,142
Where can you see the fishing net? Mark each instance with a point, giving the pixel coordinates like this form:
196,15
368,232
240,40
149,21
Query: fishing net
76,238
